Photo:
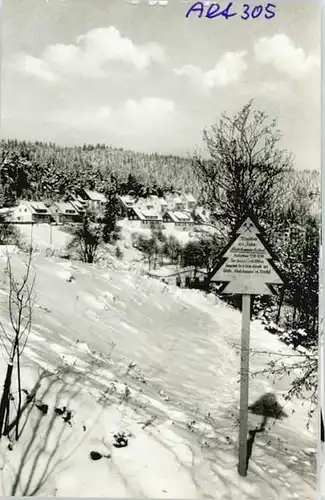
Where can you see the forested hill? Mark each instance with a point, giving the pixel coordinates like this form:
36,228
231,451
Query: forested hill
43,170
48,171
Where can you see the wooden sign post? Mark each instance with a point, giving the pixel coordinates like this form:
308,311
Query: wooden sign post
246,268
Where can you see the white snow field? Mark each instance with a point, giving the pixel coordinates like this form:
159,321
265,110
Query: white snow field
126,353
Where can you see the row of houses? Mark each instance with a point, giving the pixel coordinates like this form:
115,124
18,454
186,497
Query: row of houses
153,212
157,212
71,210
150,219
185,202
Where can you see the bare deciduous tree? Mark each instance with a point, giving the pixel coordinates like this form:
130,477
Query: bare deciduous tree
303,365
20,306
87,239
245,165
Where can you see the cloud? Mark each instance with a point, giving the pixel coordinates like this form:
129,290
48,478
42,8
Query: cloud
228,70
33,66
90,56
275,90
147,110
280,51
133,116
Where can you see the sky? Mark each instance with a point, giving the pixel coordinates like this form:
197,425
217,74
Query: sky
145,77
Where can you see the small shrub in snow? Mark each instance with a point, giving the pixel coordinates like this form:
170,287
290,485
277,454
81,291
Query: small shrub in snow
130,367
127,393
65,414
191,425
119,253
95,455
121,440
116,234
43,408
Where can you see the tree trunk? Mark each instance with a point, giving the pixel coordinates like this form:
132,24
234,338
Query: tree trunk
25,405
7,419
294,316
5,401
19,394
280,306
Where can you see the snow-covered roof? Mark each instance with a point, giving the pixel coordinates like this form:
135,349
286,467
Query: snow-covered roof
38,207
78,205
95,196
178,200
65,207
127,200
183,216
189,197
150,214
178,216
138,213
77,198
171,215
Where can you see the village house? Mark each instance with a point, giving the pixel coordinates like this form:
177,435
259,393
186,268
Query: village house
93,200
126,202
64,212
180,220
148,218
202,216
31,212
151,219
133,213
6,213
85,199
80,207
190,202
163,205
77,202
179,204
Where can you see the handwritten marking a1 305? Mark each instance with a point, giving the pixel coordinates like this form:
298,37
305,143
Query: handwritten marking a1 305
211,10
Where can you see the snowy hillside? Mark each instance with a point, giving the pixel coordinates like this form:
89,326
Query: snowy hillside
159,365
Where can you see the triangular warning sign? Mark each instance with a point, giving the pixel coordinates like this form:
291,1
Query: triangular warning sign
246,265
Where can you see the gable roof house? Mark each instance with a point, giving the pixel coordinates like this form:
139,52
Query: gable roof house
77,202
64,212
133,213
93,199
163,205
151,218
202,215
148,218
190,202
178,203
181,220
126,202
31,212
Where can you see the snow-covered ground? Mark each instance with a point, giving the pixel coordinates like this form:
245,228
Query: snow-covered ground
197,232
128,354
44,236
